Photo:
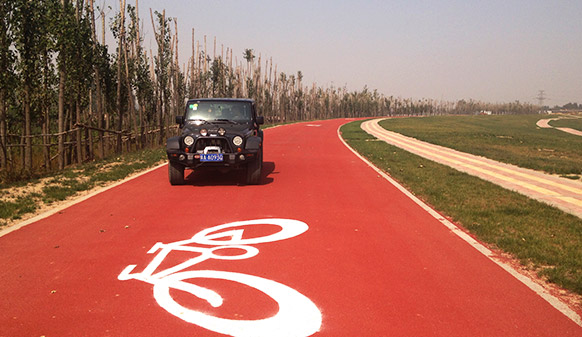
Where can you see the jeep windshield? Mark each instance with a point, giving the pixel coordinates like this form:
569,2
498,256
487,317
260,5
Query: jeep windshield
218,111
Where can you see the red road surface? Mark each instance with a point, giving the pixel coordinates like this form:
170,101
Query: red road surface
372,261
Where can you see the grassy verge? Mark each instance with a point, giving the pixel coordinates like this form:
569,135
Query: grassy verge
25,197
543,238
569,122
510,139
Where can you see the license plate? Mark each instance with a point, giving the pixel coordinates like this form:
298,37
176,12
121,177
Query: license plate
205,157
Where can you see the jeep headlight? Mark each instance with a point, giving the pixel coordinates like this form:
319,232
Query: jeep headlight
188,140
237,140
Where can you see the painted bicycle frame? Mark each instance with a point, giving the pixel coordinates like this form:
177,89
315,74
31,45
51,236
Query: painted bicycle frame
298,316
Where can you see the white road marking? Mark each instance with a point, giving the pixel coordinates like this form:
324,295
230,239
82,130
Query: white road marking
297,315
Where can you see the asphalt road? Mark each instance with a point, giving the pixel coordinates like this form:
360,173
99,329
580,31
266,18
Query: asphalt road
345,253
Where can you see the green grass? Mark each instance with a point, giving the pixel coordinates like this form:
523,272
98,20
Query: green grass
540,236
511,139
16,209
573,123
68,183
63,189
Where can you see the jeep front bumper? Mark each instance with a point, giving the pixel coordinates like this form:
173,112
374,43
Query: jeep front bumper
193,160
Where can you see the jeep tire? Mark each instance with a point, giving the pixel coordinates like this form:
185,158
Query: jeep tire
176,173
254,169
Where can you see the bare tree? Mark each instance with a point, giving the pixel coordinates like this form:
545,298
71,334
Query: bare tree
7,76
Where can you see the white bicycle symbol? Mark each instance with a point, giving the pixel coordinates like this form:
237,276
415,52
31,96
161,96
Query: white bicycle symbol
297,316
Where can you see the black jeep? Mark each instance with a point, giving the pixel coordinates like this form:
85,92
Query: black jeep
220,133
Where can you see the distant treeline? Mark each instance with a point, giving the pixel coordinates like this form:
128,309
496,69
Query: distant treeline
64,99
568,106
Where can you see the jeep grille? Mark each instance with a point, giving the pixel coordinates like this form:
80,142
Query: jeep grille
202,143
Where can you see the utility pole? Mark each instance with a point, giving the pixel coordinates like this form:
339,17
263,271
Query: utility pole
541,97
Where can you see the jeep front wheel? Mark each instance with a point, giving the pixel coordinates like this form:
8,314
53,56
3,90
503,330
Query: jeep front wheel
254,169
176,173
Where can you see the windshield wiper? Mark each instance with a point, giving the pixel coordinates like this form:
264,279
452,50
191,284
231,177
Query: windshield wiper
197,121
227,120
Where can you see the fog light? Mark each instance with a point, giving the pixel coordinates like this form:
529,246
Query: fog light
182,157
242,157
203,132
221,131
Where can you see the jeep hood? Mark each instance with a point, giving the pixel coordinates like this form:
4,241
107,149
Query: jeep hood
213,127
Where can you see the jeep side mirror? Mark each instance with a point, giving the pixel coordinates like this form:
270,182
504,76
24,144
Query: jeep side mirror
260,120
180,120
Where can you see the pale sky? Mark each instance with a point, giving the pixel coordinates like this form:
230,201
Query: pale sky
494,50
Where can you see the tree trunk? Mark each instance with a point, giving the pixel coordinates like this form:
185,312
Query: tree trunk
5,69
130,97
98,90
137,53
61,114
162,86
88,133
79,135
46,149
3,131
27,131
119,80
104,120
61,118
69,122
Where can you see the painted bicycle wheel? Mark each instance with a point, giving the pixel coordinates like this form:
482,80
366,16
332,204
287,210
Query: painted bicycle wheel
297,316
